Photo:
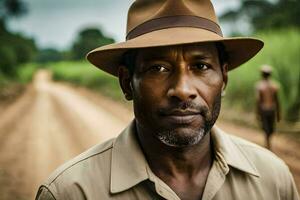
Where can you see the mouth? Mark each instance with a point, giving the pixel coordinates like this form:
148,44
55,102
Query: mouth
182,116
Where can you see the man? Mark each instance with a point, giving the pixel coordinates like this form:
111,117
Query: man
267,103
174,67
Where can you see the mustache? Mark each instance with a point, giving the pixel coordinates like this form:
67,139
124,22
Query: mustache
187,107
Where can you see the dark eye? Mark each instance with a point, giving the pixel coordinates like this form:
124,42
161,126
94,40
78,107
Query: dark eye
199,66
158,68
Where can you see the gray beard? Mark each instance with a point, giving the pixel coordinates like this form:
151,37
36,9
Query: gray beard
171,138
174,139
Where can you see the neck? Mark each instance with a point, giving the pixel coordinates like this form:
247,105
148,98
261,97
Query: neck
166,161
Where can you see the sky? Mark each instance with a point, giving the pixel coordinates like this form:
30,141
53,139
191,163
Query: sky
55,23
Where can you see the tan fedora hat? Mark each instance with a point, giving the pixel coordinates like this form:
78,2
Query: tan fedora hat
155,23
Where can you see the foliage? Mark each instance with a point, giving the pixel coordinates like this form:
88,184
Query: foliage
8,60
282,52
4,81
15,49
6,85
12,87
12,8
266,14
26,72
24,75
83,73
49,55
87,40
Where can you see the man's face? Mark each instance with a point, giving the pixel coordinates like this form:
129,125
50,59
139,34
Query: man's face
177,92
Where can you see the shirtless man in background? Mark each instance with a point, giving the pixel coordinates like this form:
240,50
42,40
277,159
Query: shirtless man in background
268,107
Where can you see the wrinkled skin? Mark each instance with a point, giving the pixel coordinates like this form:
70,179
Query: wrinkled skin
177,92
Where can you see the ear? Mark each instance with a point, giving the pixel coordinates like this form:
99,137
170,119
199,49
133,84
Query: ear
225,75
125,82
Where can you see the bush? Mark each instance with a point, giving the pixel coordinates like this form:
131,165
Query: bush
15,50
26,72
49,55
7,61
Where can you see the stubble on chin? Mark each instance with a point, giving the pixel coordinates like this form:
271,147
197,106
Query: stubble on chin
175,138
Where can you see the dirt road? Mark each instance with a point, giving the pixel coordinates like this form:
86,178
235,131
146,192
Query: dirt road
51,123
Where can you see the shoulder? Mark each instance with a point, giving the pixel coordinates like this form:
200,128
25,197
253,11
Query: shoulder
257,155
253,165
80,171
273,171
235,147
98,151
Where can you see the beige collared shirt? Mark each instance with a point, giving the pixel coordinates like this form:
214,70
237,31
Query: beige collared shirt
117,169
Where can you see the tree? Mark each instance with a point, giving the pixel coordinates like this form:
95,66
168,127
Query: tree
12,8
15,49
87,40
265,14
49,55
7,61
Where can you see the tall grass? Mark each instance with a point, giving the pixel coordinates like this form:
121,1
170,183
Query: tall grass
282,52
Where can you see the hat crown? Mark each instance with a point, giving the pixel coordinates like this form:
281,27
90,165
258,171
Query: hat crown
159,23
142,11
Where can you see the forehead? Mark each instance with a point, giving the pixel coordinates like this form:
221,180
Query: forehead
208,50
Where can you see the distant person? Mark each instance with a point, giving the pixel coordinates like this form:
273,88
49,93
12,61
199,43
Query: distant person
174,66
268,108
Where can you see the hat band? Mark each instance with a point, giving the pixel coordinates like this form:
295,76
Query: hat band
172,22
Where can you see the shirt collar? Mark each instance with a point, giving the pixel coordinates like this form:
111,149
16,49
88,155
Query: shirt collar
232,152
129,166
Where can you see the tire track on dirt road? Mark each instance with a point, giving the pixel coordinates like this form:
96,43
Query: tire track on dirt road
11,143
48,125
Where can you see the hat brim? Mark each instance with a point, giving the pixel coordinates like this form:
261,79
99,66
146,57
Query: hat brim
239,49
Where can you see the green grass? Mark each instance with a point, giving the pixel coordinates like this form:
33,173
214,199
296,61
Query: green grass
85,74
25,72
282,52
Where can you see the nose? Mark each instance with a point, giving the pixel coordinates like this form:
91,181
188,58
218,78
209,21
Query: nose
182,88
